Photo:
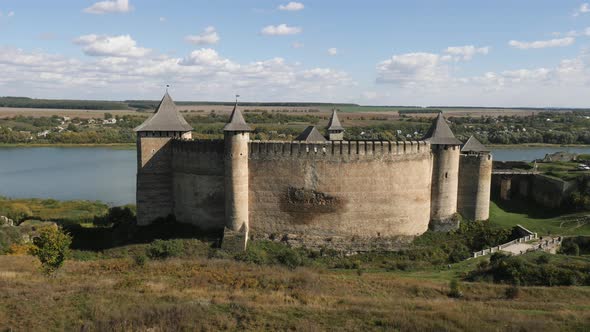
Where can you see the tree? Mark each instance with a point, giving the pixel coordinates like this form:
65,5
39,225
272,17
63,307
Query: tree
51,247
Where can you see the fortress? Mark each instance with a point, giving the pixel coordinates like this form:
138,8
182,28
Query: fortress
314,192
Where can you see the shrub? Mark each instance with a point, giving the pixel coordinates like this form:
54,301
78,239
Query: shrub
268,253
140,260
161,249
51,247
543,259
570,248
512,292
290,258
455,289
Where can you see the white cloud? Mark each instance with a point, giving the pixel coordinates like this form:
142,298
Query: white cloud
332,51
466,52
111,6
207,37
297,45
559,42
584,8
412,69
203,74
115,46
280,30
428,79
292,6
162,19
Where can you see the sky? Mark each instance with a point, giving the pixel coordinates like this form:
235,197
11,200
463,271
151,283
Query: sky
370,52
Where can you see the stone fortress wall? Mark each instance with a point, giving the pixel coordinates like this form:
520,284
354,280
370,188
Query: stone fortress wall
312,188
362,188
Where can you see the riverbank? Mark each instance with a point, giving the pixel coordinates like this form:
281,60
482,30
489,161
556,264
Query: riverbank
119,146
536,145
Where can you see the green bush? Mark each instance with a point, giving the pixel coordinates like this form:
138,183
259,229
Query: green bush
268,253
9,236
570,248
526,270
160,249
455,289
140,260
52,248
512,292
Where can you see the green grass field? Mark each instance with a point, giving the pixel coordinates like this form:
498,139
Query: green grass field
555,225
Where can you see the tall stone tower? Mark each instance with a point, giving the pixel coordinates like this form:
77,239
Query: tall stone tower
445,174
237,135
155,197
335,129
475,170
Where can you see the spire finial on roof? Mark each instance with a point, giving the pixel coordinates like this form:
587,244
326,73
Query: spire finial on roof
473,145
441,133
236,120
334,123
166,118
167,86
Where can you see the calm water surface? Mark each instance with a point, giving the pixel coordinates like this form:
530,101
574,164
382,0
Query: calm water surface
101,174
108,175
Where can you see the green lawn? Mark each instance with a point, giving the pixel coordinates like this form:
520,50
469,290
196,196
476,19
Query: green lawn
556,225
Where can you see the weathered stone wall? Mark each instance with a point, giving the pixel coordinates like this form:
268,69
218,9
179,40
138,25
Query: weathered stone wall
445,181
551,192
372,189
475,176
198,183
154,179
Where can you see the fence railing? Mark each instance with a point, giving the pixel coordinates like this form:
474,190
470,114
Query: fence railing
530,236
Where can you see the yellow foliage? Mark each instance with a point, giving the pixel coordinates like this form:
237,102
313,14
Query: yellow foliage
20,249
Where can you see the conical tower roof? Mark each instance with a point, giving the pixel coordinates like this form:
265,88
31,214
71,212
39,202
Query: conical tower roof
311,134
473,145
334,123
166,118
440,133
236,121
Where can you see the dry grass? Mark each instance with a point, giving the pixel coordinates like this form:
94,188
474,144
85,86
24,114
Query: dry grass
211,295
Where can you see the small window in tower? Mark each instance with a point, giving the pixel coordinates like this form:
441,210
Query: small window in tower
446,175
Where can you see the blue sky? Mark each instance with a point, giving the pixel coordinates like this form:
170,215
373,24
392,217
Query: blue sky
500,53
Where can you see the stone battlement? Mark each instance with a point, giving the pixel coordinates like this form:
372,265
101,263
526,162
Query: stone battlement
335,148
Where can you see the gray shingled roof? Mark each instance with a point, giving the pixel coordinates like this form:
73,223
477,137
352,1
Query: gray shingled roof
334,123
236,121
311,134
473,145
166,118
440,133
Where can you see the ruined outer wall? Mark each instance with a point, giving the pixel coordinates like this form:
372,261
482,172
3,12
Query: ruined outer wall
154,179
475,178
340,188
198,173
551,192
445,181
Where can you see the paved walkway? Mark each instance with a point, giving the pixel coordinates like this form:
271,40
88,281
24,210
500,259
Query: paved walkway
519,248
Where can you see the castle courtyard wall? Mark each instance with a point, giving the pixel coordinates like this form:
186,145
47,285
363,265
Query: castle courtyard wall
365,189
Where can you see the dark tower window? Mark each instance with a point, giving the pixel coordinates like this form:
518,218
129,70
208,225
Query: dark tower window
446,175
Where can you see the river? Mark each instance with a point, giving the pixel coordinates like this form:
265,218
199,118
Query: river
108,174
